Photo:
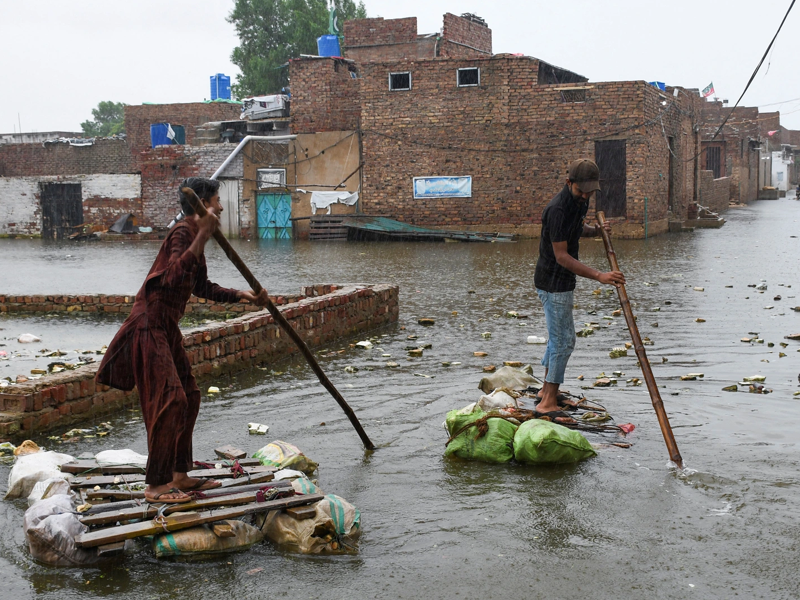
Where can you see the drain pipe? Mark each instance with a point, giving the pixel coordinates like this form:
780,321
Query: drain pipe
243,143
234,154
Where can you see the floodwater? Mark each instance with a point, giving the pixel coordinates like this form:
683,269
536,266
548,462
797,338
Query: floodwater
622,525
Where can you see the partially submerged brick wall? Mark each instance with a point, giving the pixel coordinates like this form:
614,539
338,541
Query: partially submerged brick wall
113,303
65,398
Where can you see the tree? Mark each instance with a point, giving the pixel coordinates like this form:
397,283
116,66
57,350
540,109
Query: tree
273,31
109,119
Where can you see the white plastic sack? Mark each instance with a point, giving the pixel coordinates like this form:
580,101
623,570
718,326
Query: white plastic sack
283,455
335,528
113,458
47,489
51,527
30,469
508,377
497,399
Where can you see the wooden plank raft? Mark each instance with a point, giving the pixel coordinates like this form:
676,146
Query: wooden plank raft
90,467
148,511
184,520
101,480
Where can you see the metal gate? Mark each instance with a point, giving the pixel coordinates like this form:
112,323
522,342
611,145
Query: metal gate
274,214
62,209
610,156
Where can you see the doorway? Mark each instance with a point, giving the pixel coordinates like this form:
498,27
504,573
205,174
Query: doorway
610,156
274,216
62,209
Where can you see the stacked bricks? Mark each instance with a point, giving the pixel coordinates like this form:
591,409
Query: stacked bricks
62,399
102,303
325,97
379,39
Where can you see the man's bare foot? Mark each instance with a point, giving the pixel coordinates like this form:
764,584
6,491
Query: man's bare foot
193,484
549,400
165,494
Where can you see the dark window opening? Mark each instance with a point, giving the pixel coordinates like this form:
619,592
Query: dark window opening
469,77
713,161
399,81
573,95
611,159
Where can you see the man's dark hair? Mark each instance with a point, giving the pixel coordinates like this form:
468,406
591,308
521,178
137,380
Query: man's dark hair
204,188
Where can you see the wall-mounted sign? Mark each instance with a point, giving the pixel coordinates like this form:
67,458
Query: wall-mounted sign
443,187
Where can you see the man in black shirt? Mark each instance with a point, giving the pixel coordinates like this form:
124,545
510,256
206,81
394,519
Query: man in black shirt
556,268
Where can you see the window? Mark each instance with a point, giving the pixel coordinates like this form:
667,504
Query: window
578,95
271,178
469,77
400,81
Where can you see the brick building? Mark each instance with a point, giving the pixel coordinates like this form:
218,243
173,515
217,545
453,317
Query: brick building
445,107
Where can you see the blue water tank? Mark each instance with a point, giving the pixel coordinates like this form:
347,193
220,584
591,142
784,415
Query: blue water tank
220,87
328,45
659,84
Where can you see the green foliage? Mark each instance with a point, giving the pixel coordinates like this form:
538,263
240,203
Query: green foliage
273,31
109,119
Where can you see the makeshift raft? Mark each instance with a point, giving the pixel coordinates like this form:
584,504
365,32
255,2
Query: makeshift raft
93,510
369,228
499,428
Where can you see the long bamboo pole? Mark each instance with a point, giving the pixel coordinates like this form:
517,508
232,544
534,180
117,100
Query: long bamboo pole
280,319
647,372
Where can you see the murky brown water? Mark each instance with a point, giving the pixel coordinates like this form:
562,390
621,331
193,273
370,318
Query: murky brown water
621,525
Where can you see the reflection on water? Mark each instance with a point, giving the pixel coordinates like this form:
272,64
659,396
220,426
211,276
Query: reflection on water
620,525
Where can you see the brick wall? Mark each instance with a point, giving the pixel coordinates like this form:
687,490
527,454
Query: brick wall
515,138
462,38
138,119
62,399
325,97
378,39
714,194
105,198
27,160
164,168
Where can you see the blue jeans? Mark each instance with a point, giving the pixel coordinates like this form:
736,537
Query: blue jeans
560,333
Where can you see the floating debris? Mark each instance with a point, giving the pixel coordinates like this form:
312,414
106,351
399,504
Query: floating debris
616,313
426,321
257,428
699,320
618,353
366,344
28,338
423,375
512,363
731,388
416,352
486,334
350,369
532,339
759,378
392,364
480,353
489,369
213,390
699,289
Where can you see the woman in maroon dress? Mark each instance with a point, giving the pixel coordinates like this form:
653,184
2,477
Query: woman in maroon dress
148,350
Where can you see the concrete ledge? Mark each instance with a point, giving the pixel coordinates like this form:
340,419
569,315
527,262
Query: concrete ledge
327,313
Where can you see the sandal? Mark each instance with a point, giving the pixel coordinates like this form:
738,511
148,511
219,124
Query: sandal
203,485
159,498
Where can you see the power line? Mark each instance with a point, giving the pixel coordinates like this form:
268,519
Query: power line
753,76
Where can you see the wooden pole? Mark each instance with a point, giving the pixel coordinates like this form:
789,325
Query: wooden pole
280,319
638,346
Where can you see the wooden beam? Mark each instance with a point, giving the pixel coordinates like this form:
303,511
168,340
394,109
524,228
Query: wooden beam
148,511
101,480
231,453
222,530
299,513
86,467
184,520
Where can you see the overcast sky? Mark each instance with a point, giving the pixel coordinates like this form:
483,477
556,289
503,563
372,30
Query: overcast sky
62,57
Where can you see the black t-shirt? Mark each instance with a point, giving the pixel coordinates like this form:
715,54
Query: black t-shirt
562,221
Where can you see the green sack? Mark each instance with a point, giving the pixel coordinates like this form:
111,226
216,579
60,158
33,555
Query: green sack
495,446
543,442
